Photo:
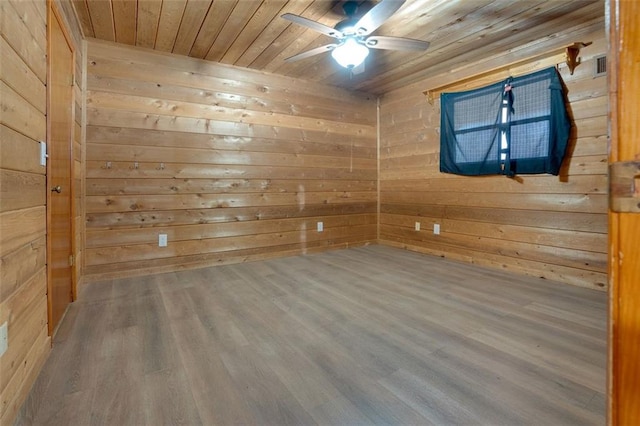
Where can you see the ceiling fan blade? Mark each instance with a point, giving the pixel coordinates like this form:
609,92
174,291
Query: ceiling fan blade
377,15
316,26
395,43
312,52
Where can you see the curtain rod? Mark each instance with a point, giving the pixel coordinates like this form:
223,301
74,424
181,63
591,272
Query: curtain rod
568,55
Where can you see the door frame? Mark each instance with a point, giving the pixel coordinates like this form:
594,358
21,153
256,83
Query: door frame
54,13
624,253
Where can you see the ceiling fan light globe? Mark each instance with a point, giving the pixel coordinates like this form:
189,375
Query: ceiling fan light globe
350,54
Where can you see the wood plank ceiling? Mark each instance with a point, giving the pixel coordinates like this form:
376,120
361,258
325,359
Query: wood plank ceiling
251,33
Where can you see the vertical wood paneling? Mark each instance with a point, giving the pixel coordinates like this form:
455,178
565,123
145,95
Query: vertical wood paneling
22,200
546,226
82,12
243,11
211,27
170,18
251,33
258,22
194,15
147,22
102,19
124,21
271,32
230,163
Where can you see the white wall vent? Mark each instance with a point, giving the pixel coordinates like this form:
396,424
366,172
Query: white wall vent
600,66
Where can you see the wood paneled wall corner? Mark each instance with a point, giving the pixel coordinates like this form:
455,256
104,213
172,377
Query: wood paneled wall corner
232,164
23,299
81,238
546,226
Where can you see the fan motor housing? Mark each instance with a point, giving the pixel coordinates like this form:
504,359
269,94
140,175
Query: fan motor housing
345,24
350,7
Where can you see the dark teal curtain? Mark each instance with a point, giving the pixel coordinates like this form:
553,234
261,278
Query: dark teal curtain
537,127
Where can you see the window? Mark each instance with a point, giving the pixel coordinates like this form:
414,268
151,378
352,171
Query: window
518,126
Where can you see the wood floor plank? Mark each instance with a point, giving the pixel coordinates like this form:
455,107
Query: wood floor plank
433,399
338,411
168,399
216,395
575,370
118,397
267,398
368,335
523,403
374,401
537,378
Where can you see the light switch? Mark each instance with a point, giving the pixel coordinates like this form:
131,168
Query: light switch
4,338
43,153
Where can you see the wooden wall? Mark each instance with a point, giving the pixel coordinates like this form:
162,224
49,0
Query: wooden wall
231,164
23,285
23,275
553,227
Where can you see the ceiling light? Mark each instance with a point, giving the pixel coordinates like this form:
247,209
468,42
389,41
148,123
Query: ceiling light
350,54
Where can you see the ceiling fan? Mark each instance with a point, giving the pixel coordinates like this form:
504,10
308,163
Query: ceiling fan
353,34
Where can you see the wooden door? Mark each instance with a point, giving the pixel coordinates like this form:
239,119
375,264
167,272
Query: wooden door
624,228
59,177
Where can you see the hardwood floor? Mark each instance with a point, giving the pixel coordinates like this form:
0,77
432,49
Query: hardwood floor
371,335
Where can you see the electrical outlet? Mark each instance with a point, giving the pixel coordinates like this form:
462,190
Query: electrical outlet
417,227
4,338
436,228
162,240
320,226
